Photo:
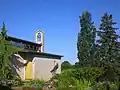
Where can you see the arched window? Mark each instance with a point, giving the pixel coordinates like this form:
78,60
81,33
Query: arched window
39,37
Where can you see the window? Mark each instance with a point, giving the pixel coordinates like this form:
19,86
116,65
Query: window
26,46
23,45
39,37
31,47
13,43
18,44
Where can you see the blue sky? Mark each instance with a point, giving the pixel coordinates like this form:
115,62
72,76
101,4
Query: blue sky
59,19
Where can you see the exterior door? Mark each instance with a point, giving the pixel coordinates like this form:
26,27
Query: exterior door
29,71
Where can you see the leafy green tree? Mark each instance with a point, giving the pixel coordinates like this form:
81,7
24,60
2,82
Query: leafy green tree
66,65
86,39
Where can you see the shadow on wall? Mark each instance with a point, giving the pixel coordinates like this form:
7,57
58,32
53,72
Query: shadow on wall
17,64
53,71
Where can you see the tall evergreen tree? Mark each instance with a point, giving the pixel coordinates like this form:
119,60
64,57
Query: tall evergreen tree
108,51
86,39
4,60
6,52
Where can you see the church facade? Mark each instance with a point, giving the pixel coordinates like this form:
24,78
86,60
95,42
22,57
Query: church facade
32,62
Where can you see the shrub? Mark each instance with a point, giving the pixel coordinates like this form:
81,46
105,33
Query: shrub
104,86
89,74
78,78
11,82
55,77
33,83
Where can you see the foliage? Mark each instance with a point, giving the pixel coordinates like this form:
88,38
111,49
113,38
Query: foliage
78,85
100,59
33,83
104,86
79,78
6,52
55,77
84,79
108,75
81,85
66,65
86,39
76,65
108,50
13,82
105,52
4,55
66,88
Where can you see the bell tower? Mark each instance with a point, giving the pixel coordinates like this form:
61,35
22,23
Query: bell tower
39,38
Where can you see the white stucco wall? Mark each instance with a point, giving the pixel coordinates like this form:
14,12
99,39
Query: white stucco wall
43,66
18,65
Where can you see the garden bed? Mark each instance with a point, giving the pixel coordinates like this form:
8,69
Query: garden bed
24,88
